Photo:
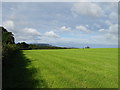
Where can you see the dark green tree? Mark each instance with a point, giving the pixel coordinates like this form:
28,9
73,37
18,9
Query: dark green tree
8,44
7,37
23,45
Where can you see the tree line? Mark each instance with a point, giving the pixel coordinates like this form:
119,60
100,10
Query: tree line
9,46
25,46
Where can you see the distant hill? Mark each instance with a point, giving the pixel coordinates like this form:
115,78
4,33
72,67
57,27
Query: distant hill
42,44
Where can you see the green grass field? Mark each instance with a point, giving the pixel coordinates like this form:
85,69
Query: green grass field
66,68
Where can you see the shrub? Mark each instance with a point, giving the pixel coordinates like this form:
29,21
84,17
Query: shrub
8,50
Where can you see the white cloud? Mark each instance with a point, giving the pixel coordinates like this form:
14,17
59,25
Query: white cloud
108,23
106,39
87,25
111,37
89,9
61,1
64,28
28,38
111,33
113,16
51,34
30,31
29,35
82,29
96,25
113,29
101,30
114,5
25,34
60,26
9,24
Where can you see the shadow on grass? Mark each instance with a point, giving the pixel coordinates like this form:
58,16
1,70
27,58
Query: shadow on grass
16,75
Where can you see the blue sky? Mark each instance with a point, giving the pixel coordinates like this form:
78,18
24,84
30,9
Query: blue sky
63,23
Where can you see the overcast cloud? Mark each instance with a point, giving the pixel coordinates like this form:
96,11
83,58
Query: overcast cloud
63,24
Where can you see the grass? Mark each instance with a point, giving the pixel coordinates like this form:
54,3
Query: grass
65,68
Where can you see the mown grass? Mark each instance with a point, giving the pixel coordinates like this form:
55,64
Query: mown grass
62,68
75,68
15,73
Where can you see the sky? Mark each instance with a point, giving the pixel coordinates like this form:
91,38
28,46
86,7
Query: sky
71,24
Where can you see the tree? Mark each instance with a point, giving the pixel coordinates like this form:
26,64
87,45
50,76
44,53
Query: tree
7,37
8,44
87,47
23,45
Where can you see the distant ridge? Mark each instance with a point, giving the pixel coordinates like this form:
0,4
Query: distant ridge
41,44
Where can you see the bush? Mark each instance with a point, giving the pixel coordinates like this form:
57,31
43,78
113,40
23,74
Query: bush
87,47
8,50
23,46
